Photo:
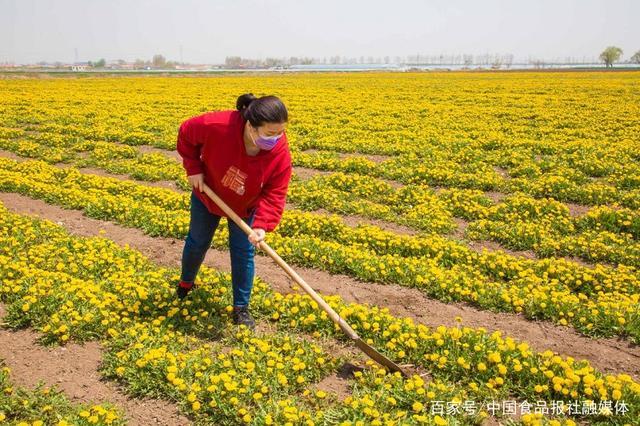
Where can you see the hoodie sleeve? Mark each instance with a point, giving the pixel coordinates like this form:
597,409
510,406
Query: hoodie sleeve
271,202
189,145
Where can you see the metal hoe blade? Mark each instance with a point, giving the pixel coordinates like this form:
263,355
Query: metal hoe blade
378,357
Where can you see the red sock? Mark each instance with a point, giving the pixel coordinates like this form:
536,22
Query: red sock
185,284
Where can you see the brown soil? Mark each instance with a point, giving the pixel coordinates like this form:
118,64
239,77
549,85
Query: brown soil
355,220
393,183
479,246
495,196
306,173
147,149
338,382
73,369
461,226
376,158
11,155
501,171
99,172
577,209
608,355
494,246
584,263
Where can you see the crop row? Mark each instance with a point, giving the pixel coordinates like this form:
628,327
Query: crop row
601,301
72,288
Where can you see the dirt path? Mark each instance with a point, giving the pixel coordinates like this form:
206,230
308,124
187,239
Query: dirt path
74,370
103,173
608,355
11,155
355,220
148,149
306,173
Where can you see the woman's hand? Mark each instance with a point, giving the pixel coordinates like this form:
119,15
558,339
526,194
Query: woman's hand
257,236
197,181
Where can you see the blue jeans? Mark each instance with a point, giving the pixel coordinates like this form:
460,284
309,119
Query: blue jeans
202,227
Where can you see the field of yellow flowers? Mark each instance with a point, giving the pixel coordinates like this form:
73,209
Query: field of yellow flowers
545,166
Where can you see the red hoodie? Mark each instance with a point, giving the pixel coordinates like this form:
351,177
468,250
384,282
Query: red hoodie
213,144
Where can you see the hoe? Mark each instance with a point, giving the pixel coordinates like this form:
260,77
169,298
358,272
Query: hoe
361,344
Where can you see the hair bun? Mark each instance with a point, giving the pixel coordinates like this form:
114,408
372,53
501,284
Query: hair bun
244,101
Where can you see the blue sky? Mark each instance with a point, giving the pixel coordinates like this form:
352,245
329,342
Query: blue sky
208,31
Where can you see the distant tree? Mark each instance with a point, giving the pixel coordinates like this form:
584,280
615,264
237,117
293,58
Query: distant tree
232,61
272,62
508,61
610,55
538,63
138,64
635,59
100,63
159,61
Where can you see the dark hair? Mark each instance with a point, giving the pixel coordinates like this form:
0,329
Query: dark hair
267,109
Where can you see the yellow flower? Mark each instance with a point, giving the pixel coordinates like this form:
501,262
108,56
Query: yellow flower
439,420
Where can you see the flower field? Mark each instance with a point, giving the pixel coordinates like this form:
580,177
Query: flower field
511,193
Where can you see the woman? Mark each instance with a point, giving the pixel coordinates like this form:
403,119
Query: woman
243,156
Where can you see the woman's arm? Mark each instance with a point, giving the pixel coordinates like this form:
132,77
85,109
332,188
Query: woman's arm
271,203
189,145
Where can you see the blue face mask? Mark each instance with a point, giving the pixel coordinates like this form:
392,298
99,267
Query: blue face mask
266,143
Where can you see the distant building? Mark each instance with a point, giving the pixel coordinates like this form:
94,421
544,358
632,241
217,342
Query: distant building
119,64
78,68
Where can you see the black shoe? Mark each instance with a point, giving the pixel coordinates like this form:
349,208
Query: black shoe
241,316
183,288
